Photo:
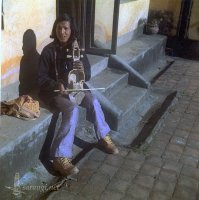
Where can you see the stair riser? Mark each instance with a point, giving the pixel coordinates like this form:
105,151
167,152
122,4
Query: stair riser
137,115
23,156
125,118
99,67
148,58
116,86
117,123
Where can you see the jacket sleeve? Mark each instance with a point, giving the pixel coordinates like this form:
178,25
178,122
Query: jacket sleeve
46,62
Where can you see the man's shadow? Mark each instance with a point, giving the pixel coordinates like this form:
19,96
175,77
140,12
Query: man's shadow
29,66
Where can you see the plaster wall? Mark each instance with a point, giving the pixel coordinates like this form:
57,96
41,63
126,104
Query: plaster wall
130,14
19,16
193,31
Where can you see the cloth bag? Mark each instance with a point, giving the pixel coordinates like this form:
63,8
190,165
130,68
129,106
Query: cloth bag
23,107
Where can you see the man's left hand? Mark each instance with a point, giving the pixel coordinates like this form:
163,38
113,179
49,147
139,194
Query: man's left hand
79,65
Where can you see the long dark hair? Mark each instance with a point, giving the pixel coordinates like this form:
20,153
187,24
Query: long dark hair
74,31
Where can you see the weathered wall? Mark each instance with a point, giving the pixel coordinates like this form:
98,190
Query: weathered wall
193,32
131,13
103,20
20,16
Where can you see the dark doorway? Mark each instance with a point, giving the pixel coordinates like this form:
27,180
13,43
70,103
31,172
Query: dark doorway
76,9
184,18
182,45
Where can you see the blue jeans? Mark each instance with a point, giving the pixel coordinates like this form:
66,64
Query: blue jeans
63,140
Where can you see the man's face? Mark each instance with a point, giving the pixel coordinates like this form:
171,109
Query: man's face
63,31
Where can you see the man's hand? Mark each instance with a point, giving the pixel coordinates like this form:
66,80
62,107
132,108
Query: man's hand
79,65
62,89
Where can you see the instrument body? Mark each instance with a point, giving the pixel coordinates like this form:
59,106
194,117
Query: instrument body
76,76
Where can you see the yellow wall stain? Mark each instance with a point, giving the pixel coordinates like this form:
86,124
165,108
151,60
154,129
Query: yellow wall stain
10,79
9,64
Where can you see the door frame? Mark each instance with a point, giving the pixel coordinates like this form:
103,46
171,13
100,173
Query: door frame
90,19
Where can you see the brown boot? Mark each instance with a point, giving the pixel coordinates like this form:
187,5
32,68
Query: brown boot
108,146
64,166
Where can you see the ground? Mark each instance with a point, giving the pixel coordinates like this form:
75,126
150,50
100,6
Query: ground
165,167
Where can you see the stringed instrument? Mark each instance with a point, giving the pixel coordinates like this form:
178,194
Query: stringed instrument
76,76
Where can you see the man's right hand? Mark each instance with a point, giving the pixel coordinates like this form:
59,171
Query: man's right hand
62,90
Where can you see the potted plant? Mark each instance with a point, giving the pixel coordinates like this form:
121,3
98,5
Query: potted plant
160,21
152,27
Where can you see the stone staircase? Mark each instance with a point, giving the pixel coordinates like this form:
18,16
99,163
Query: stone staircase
128,101
146,55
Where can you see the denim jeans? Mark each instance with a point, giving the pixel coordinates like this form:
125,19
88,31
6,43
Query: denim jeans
63,140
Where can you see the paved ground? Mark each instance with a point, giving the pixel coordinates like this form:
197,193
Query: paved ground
166,168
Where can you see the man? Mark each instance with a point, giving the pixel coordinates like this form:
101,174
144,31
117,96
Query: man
54,68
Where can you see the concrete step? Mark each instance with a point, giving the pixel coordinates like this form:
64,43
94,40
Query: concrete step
110,79
128,110
156,68
126,100
140,115
143,52
119,107
21,142
98,64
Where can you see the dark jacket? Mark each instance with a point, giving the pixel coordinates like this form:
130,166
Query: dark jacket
48,81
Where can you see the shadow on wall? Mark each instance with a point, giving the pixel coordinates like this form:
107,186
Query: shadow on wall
29,65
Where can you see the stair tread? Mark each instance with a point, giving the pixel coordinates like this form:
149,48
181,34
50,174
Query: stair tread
108,79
